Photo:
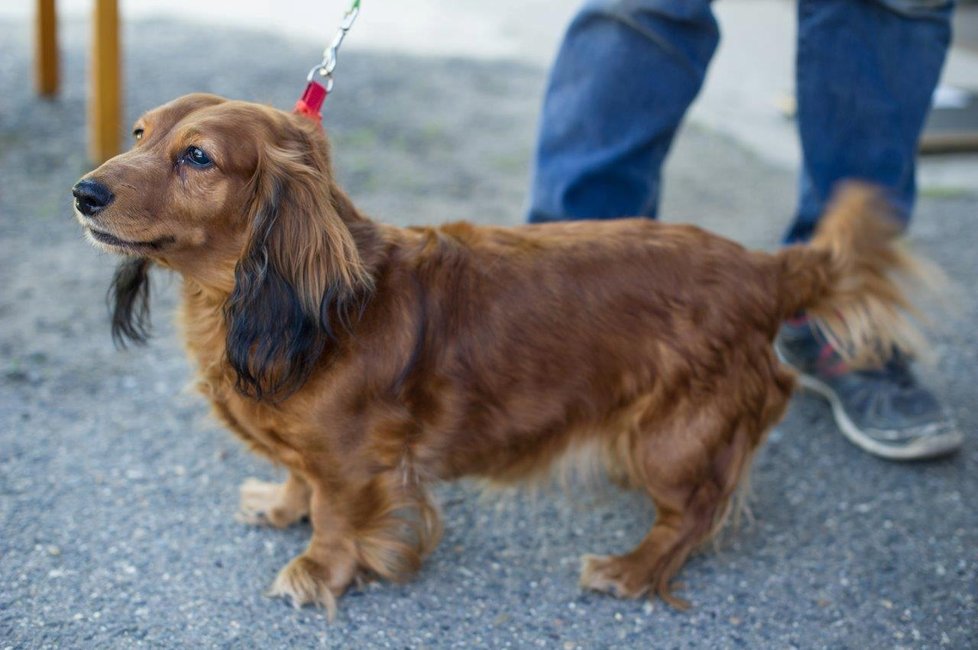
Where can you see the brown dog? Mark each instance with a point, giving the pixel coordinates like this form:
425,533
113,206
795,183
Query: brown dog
372,360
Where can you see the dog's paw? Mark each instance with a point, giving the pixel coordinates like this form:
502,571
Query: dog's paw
304,581
611,575
267,504
617,576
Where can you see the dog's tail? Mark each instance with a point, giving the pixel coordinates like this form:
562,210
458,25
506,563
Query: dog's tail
854,278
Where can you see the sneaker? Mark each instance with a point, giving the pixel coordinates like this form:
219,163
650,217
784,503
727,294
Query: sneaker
884,411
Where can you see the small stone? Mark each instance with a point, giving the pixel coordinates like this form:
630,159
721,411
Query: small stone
887,603
54,550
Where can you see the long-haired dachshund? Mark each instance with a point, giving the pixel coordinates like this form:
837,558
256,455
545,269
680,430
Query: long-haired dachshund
372,360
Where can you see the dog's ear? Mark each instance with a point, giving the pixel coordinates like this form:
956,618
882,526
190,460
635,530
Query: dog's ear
300,277
128,300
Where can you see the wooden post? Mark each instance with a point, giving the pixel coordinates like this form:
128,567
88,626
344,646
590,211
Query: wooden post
46,49
105,98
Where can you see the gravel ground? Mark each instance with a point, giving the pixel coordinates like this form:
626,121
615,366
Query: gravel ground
117,492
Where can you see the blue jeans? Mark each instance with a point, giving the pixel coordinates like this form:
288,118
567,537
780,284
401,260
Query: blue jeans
628,70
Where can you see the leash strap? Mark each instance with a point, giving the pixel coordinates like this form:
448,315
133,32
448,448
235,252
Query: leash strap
319,81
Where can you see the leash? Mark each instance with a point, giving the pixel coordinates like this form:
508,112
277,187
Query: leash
320,78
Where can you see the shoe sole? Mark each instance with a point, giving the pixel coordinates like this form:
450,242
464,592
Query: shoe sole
927,446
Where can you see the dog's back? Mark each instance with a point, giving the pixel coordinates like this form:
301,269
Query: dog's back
538,334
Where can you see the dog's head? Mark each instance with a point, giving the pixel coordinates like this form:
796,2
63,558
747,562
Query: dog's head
239,198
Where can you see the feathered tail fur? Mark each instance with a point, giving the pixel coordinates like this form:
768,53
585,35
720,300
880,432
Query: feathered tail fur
855,278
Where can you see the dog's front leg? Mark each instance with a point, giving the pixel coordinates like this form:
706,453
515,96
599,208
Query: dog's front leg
379,525
328,565
274,504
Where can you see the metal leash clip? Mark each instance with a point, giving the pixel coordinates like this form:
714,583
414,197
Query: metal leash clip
320,77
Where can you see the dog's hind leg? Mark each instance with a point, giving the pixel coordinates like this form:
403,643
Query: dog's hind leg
691,468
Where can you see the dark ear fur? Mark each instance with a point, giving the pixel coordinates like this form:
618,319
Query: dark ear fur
128,300
300,274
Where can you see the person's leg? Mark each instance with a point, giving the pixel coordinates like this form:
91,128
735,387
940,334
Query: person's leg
626,72
866,71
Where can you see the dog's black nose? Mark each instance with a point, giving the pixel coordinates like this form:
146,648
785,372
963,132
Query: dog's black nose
91,197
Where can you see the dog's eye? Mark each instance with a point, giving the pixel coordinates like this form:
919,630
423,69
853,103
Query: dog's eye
196,156
138,134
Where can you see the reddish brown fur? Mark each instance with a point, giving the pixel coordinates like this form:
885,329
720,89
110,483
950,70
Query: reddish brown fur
480,351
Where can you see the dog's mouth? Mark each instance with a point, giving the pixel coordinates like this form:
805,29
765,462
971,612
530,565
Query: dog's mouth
108,239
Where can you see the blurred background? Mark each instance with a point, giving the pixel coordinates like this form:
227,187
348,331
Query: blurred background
748,92
117,490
